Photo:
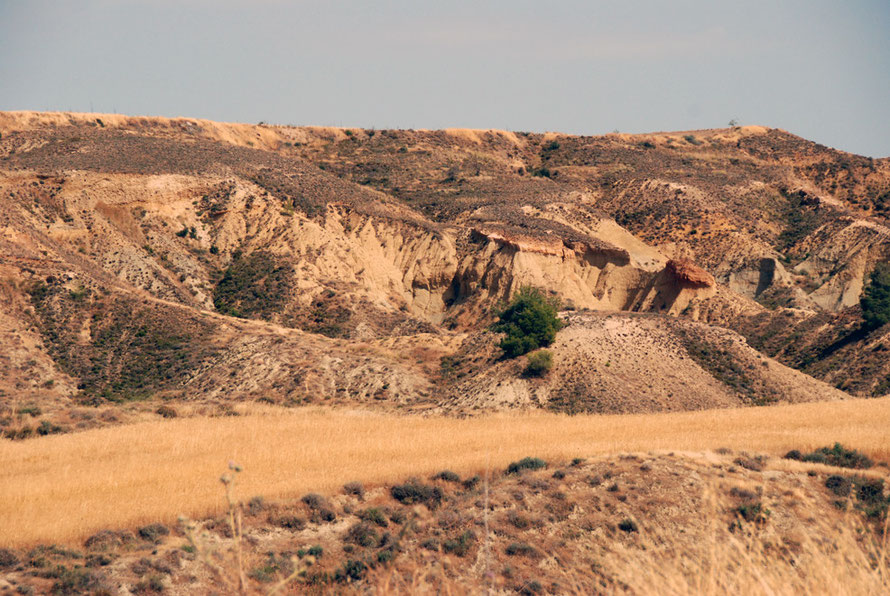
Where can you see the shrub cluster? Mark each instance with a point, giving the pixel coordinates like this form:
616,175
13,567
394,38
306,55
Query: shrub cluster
837,455
530,322
413,492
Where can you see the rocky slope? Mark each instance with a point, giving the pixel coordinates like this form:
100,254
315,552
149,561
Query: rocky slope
194,260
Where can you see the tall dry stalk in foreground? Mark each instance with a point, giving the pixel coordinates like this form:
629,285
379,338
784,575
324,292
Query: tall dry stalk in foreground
226,561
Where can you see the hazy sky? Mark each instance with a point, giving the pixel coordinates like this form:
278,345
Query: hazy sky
816,68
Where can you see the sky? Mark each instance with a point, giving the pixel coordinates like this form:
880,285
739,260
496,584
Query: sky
819,69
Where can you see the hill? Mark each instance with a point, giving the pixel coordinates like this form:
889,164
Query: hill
196,264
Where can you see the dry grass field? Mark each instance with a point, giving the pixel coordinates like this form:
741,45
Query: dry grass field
62,488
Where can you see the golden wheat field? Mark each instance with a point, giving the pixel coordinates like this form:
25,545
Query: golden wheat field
62,488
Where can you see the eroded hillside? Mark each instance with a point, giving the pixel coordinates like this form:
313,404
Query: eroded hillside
207,262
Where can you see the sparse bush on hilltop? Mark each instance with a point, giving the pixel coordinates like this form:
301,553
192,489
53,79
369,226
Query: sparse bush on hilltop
530,322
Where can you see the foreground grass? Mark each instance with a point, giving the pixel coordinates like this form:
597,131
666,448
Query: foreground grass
63,488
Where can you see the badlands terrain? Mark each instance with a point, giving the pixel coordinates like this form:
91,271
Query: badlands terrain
165,278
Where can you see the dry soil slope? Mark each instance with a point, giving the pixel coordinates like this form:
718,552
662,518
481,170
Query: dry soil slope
621,363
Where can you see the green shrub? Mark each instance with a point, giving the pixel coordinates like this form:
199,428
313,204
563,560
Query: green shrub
351,571
413,492
253,285
48,428
839,456
153,532
355,489
152,583
753,512
529,322
290,522
461,545
520,549
870,490
8,559
875,300
471,483
628,525
167,412
518,520
539,363
362,534
839,485
385,556
447,476
526,463
375,516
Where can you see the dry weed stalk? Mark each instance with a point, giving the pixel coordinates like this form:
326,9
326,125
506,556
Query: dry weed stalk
227,564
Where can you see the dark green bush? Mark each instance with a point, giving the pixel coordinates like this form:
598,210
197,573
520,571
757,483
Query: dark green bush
518,520
8,559
520,549
153,532
447,476
526,463
839,485
385,556
875,300
870,490
529,322
351,571
314,501
539,363
839,456
413,492
356,489
253,285
753,512
291,522
362,534
471,483
628,525
461,545
374,516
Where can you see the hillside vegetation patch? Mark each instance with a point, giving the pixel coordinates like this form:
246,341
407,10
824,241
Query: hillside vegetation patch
875,301
529,322
253,286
